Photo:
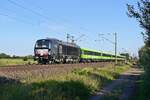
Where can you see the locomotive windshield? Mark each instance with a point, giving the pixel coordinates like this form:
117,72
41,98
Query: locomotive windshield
43,44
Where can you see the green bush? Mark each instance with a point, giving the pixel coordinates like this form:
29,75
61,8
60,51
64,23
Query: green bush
25,58
144,55
3,55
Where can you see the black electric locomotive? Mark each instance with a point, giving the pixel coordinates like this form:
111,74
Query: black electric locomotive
55,51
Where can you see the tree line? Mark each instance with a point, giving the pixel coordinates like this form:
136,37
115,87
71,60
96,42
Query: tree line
3,55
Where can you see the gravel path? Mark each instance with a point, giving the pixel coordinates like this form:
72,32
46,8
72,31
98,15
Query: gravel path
126,80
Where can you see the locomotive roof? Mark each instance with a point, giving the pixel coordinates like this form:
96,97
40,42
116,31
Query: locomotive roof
69,44
62,42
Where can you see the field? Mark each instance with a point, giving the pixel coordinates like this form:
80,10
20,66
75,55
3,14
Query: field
17,61
58,83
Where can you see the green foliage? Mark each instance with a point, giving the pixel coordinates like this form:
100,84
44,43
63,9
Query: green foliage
3,55
25,58
29,56
76,85
144,55
15,57
48,90
16,61
126,55
141,92
143,17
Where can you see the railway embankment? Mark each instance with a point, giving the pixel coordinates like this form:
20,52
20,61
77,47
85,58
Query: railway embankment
55,83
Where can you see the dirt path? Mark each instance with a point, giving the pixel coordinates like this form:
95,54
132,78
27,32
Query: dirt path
121,88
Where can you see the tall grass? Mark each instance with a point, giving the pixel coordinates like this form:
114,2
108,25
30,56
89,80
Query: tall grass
76,85
141,92
17,61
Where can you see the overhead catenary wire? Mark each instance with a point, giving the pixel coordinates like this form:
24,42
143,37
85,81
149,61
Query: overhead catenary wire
67,21
16,19
28,9
41,15
34,12
20,19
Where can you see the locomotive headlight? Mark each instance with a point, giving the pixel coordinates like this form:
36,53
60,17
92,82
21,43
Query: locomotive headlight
42,52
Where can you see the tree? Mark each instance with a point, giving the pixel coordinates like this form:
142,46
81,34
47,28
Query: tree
142,14
144,55
30,56
3,55
126,55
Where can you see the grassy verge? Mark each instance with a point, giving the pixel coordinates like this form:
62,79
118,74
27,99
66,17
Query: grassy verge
6,62
76,85
142,91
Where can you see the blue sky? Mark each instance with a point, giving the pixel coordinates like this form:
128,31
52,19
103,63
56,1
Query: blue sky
22,23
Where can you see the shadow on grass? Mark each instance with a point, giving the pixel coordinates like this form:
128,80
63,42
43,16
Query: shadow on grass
142,89
5,80
48,90
101,79
11,89
54,90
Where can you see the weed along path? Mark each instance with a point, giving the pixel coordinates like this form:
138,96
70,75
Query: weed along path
121,88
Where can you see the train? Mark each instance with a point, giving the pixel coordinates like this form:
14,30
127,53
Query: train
51,50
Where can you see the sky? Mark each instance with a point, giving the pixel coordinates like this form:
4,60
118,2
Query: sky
22,22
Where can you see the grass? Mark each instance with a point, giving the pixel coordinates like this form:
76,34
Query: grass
48,90
19,61
142,91
79,84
